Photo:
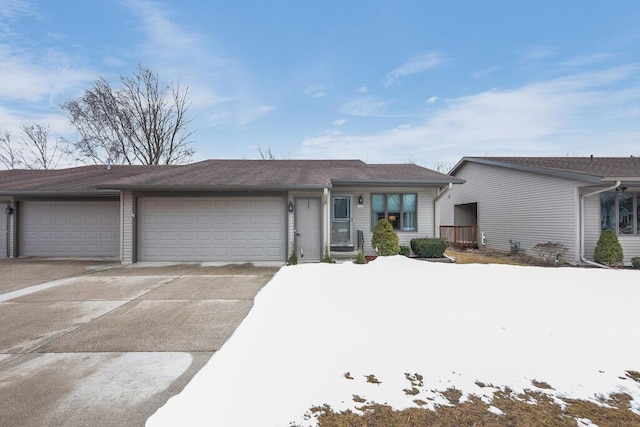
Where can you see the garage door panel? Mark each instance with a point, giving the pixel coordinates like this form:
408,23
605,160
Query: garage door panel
213,229
70,229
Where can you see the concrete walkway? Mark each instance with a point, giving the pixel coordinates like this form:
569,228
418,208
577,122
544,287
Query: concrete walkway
106,345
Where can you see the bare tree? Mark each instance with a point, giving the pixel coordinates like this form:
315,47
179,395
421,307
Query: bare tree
9,152
442,166
33,151
143,122
38,152
268,154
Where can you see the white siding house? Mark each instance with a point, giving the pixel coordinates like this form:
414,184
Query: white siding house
520,202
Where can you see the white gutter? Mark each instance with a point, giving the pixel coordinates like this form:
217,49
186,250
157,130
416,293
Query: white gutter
582,258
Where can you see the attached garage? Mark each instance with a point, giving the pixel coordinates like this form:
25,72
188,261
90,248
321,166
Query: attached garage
70,229
211,229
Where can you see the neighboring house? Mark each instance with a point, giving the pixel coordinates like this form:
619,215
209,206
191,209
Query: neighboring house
524,201
215,210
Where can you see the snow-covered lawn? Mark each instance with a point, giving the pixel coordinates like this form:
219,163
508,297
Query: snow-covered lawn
314,325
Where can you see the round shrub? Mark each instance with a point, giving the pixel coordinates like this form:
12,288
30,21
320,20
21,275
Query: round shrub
608,250
385,239
405,250
428,248
635,262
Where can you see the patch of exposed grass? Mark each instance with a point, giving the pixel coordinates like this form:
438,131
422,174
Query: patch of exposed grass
530,408
415,379
411,391
541,384
372,379
634,375
485,256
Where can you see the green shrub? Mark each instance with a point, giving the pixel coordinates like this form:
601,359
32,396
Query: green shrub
428,248
293,258
635,262
405,250
360,259
608,250
326,257
385,239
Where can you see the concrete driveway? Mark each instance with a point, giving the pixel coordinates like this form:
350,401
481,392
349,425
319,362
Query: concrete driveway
84,343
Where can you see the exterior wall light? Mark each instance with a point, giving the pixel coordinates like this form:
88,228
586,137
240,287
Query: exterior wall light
8,210
360,200
290,206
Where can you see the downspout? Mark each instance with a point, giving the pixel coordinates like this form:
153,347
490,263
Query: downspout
327,221
436,212
582,258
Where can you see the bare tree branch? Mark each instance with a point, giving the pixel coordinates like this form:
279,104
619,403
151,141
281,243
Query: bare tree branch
38,152
9,151
143,122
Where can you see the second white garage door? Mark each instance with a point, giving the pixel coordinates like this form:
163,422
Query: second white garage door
70,229
211,229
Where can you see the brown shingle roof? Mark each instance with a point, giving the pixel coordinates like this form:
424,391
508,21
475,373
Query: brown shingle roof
218,174
589,168
281,174
77,180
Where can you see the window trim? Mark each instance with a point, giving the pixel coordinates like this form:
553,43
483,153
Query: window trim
386,210
635,211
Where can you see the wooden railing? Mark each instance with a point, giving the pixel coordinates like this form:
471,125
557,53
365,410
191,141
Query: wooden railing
465,236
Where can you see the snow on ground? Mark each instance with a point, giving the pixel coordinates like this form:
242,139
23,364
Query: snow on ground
576,329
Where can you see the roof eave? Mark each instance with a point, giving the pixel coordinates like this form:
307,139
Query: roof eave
105,193
544,171
396,183
217,187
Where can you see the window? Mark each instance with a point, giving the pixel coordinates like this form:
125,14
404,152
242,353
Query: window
399,209
619,211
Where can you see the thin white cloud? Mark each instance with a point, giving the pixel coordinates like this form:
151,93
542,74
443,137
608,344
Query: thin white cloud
37,76
548,118
365,106
316,91
536,53
582,61
432,100
339,122
414,65
228,98
363,89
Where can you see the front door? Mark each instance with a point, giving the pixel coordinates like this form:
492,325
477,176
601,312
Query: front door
308,229
341,233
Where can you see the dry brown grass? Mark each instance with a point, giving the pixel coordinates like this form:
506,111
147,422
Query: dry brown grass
530,408
488,256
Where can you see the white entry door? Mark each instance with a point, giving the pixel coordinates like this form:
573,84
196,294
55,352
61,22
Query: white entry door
308,229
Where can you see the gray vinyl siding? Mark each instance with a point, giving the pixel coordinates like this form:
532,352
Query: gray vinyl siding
362,214
127,226
516,205
630,247
591,222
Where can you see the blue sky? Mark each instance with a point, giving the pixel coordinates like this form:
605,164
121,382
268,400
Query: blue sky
382,81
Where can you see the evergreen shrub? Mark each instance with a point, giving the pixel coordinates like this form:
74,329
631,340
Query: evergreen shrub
608,250
385,238
428,248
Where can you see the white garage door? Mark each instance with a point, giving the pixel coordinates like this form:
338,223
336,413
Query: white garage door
211,229
70,229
